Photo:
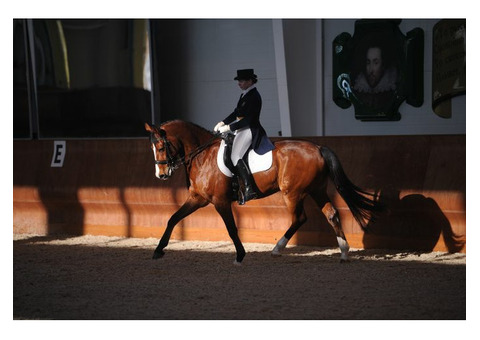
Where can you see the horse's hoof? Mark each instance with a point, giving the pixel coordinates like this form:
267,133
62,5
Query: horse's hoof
276,254
236,263
157,254
239,258
344,261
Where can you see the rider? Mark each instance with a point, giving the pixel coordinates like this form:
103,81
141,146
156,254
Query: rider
244,122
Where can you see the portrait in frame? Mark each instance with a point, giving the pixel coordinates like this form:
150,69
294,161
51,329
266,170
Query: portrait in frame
377,69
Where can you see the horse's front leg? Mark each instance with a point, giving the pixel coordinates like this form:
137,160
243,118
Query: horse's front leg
225,211
193,203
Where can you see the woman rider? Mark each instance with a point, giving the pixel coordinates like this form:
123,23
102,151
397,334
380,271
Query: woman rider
244,122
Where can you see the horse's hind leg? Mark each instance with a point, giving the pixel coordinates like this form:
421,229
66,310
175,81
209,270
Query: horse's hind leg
333,219
295,206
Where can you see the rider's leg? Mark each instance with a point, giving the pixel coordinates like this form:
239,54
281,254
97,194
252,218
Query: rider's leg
247,179
241,144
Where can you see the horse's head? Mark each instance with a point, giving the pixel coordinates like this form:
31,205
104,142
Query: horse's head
165,153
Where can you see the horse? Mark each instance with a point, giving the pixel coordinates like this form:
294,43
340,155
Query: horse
299,168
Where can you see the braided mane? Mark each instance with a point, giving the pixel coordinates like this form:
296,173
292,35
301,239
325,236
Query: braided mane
178,121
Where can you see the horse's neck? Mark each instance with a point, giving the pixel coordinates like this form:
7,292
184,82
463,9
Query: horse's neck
194,137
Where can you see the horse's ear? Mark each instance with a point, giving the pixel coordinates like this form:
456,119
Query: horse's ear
148,127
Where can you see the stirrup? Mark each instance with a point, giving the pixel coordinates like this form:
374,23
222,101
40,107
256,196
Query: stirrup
246,195
249,194
240,198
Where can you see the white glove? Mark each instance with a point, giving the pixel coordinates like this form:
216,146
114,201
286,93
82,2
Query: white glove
218,126
224,128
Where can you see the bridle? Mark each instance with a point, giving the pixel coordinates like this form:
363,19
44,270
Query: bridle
176,158
172,159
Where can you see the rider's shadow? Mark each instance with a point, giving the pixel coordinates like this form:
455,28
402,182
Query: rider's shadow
412,222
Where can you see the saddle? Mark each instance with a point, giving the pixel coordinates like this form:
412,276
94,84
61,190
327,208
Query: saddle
255,162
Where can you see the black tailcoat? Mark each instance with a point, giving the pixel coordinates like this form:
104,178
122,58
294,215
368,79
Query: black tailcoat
248,111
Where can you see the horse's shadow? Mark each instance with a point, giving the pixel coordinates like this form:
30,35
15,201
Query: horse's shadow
413,222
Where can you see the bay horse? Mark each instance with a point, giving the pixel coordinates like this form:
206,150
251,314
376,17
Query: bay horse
299,168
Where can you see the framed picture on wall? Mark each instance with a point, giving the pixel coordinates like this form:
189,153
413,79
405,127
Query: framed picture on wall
377,69
449,66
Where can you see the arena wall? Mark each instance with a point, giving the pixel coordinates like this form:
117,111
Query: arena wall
108,187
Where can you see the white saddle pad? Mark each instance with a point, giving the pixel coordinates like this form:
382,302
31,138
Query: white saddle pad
256,162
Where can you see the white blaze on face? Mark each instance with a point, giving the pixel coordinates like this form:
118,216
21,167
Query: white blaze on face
157,168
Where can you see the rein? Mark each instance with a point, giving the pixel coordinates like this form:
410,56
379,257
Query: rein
178,159
199,149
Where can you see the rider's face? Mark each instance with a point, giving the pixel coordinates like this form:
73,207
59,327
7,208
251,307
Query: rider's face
245,84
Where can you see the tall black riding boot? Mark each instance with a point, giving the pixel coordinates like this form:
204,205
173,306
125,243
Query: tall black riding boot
247,178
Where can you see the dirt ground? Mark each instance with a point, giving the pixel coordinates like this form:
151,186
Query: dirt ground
106,278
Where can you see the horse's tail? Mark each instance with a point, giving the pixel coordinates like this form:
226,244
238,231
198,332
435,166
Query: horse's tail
362,207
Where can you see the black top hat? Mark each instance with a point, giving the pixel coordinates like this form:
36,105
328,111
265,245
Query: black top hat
245,74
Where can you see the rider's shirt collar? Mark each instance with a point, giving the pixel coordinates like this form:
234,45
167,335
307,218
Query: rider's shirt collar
246,91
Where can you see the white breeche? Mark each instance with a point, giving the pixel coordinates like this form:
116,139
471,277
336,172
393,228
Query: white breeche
241,143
